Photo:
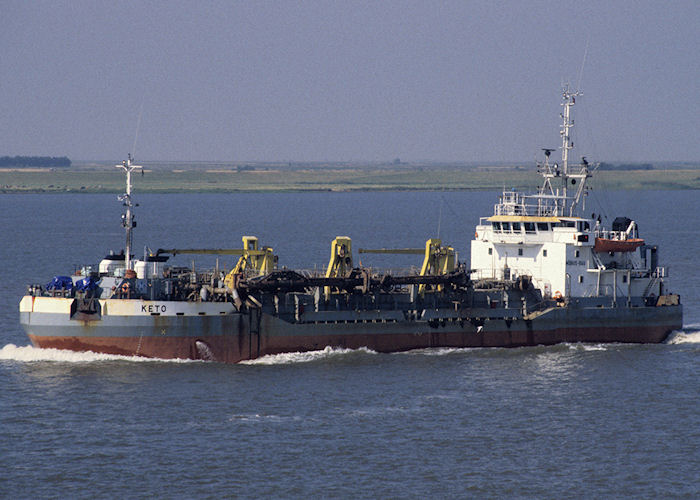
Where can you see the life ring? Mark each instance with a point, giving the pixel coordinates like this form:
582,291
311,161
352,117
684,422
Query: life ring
557,295
476,234
125,288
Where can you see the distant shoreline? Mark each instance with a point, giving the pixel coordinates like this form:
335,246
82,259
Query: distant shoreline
279,178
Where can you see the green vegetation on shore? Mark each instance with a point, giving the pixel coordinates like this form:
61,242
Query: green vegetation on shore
182,178
34,161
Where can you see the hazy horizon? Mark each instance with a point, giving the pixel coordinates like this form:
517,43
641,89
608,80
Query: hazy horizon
229,81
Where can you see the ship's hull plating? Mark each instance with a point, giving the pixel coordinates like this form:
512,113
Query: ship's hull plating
221,333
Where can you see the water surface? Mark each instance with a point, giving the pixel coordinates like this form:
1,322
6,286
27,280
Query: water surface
569,420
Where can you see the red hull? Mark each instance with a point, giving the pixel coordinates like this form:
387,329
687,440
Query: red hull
233,349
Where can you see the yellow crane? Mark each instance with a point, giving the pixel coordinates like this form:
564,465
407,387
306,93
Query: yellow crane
259,260
340,263
437,260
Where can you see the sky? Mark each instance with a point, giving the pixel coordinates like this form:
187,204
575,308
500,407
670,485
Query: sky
233,81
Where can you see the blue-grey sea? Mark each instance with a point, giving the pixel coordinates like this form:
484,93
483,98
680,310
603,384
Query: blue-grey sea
568,421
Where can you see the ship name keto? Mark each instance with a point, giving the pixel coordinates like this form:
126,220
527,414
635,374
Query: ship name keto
153,308
575,262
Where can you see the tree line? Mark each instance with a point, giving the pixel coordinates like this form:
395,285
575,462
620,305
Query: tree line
34,161
626,166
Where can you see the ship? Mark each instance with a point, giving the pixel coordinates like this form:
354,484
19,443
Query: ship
541,273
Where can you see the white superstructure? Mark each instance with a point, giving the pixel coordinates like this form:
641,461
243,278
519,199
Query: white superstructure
541,236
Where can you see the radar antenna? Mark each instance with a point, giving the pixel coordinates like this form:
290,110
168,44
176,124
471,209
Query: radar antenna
560,177
581,174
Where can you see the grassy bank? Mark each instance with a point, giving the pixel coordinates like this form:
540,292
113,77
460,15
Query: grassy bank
278,178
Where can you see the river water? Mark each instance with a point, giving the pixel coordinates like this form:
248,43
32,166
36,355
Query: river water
589,420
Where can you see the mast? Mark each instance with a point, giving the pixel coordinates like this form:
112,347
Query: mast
563,199
128,222
569,99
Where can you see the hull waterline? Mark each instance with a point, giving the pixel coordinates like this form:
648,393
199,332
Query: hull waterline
231,339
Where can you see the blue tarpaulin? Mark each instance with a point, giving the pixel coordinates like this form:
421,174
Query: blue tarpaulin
86,284
60,283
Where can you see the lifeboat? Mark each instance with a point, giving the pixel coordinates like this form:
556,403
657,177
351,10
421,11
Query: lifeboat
606,245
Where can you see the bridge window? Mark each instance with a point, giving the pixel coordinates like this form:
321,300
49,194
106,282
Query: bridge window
496,226
506,227
543,226
516,227
529,227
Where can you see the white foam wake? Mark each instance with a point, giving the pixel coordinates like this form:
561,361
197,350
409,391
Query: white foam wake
29,354
690,334
444,351
437,351
258,418
578,346
305,357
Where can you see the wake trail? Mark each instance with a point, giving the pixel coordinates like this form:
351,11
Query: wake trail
306,357
30,354
689,334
